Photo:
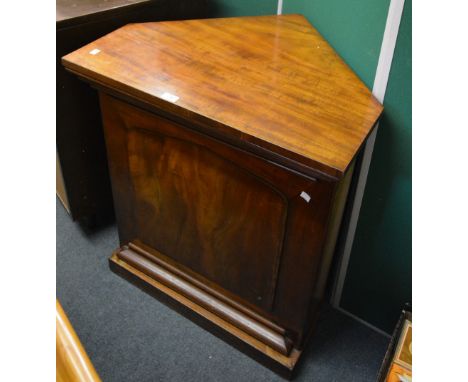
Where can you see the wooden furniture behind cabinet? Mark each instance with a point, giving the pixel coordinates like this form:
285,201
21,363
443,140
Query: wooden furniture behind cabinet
83,183
231,145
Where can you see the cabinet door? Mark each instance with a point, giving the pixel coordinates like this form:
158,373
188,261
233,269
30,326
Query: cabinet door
251,228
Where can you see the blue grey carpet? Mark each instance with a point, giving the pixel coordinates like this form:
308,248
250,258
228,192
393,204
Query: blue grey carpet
130,336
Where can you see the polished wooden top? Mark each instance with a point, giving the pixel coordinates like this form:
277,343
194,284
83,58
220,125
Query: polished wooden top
271,81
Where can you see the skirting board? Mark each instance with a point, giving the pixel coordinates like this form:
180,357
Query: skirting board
284,365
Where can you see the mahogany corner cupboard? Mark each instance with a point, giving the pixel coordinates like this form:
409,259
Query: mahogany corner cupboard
231,144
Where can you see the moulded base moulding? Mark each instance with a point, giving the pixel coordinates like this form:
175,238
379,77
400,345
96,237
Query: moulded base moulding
248,332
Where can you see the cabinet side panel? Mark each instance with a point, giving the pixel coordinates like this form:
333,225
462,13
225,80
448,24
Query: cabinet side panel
303,248
334,225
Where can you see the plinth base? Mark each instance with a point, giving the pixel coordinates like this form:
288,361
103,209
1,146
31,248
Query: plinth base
168,285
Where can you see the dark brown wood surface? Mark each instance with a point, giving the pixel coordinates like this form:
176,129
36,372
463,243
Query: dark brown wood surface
272,81
76,12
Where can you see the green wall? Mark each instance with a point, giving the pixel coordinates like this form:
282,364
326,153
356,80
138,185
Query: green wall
378,281
232,8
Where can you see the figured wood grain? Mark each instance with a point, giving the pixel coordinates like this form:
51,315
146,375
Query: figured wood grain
72,362
210,232
271,81
229,217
